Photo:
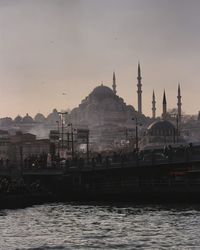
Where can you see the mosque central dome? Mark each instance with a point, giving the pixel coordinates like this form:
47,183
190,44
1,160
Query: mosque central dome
102,92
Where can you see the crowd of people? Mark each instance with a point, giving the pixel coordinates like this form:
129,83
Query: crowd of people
152,156
106,158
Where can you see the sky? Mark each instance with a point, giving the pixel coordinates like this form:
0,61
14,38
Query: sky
53,53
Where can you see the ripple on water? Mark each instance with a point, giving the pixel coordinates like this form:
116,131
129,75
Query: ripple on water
120,226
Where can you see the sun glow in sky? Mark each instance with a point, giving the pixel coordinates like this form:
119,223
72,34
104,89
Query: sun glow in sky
50,47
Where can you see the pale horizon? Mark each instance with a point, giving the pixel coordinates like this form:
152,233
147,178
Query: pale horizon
48,48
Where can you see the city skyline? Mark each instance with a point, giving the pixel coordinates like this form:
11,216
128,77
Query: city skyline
54,53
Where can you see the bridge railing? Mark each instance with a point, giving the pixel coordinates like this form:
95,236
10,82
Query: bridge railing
109,161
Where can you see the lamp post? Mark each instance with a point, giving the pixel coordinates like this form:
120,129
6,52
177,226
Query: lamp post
72,139
62,127
176,130
136,133
21,158
136,139
58,126
58,136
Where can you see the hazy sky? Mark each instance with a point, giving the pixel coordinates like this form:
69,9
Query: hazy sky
50,47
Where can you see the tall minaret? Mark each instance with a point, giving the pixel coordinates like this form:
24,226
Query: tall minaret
179,104
153,106
164,114
114,84
139,91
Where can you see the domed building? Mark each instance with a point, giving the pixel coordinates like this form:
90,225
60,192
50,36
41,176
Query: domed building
6,122
27,119
53,117
40,118
161,132
101,92
106,115
24,124
18,119
100,107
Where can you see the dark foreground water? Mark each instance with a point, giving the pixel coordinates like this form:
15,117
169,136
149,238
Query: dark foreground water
119,226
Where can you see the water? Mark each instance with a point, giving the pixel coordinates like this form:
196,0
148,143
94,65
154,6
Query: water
119,226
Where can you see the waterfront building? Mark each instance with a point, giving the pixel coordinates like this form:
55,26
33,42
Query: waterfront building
159,134
164,131
26,145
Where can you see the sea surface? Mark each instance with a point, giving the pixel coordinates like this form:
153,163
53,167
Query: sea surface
101,226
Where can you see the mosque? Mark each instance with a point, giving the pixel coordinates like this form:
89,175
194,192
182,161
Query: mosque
111,121
163,132
106,115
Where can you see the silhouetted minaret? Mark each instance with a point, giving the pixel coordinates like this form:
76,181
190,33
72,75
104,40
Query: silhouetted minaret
114,84
153,106
139,91
179,104
164,114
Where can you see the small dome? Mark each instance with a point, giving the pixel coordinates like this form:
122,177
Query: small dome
102,92
53,117
39,117
165,128
27,119
6,121
18,119
130,108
